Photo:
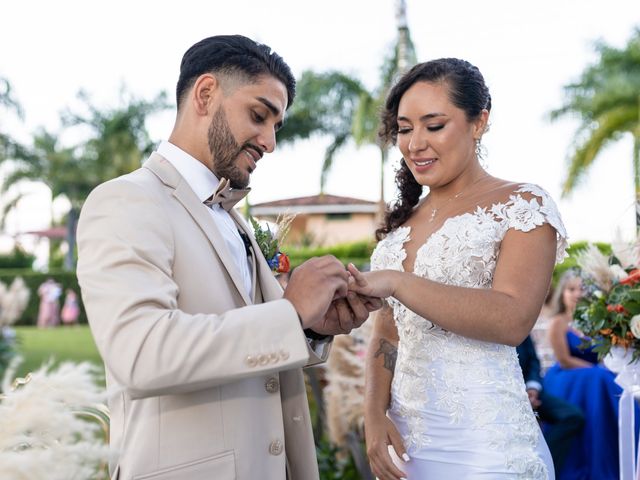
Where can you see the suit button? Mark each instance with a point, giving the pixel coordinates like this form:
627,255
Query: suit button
273,357
251,360
263,359
275,448
272,385
284,355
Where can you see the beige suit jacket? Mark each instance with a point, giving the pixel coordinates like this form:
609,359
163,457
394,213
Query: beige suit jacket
205,382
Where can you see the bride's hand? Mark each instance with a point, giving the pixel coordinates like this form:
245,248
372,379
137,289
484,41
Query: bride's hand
381,437
379,283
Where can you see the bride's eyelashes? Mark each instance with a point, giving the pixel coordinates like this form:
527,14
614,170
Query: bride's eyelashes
431,128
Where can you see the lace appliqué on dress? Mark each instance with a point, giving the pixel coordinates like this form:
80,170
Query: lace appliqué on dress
443,375
524,215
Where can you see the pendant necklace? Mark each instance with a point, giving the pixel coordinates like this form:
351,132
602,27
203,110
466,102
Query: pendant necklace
434,210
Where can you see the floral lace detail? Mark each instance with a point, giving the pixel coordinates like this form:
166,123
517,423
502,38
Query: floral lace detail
454,377
389,253
524,215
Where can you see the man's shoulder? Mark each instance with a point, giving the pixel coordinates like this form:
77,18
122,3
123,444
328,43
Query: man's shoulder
140,180
127,193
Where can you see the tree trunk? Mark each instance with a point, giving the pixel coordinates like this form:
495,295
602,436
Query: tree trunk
70,257
403,36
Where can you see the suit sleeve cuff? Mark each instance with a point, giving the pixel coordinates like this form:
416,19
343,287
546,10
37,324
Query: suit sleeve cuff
533,385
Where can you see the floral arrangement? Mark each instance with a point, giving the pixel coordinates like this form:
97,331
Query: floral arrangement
269,242
609,312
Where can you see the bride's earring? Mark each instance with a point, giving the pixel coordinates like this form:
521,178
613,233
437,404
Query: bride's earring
481,153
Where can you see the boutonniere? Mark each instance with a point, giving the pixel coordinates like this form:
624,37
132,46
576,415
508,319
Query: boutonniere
269,242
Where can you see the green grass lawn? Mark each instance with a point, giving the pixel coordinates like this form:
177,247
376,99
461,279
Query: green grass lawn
38,345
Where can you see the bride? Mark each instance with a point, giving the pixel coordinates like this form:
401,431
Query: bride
465,270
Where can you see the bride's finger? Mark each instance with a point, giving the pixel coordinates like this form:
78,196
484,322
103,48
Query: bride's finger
357,275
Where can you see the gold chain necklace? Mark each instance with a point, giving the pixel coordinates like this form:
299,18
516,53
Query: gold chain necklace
434,210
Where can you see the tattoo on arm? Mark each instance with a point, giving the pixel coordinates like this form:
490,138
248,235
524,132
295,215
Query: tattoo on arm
389,353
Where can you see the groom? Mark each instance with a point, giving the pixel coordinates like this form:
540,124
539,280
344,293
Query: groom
203,351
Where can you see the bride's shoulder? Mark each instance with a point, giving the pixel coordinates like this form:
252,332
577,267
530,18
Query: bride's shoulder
506,194
526,206
505,190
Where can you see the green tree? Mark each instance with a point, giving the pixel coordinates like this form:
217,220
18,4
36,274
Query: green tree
116,142
606,99
337,105
325,105
366,119
8,102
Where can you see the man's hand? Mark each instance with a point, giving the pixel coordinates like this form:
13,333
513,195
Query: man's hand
345,314
314,285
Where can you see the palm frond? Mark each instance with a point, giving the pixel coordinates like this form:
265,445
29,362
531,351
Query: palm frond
608,128
8,100
365,120
7,207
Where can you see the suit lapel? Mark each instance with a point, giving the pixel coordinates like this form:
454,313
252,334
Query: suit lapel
256,255
262,275
163,169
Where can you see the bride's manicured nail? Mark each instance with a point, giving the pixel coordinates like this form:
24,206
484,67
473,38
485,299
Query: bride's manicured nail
405,457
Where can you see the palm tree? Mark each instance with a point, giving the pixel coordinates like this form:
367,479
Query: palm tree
606,98
117,143
366,119
338,105
325,105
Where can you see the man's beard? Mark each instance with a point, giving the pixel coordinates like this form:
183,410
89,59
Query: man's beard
224,151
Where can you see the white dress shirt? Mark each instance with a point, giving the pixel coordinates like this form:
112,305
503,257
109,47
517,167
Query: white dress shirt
204,183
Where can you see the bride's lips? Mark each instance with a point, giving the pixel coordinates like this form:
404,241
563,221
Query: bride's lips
423,164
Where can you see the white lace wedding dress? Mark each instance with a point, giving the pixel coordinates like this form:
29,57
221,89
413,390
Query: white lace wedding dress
460,404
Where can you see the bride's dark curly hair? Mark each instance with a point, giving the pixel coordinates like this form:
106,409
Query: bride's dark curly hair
467,91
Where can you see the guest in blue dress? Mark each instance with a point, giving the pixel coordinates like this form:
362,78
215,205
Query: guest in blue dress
579,379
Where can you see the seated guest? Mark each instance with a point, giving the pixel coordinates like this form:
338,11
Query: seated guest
562,420
540,337
579,379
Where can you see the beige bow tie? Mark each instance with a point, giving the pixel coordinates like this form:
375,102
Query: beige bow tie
226,196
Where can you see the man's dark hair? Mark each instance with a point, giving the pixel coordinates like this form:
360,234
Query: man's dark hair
232,55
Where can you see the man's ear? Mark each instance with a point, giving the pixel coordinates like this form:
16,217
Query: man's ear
204,93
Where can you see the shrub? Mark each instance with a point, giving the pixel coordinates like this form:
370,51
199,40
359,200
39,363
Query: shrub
570,261
358,253
18,258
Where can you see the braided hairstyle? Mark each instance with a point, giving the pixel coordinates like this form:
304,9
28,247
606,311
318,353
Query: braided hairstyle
467,91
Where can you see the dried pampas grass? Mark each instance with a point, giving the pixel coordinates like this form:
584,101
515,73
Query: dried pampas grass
628,254
44,432
344,394
13,301
595,265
